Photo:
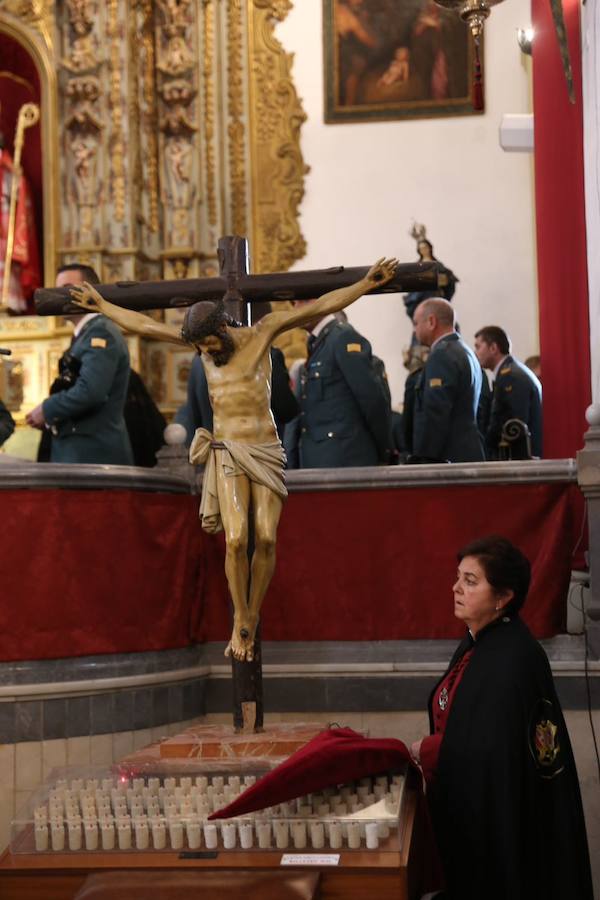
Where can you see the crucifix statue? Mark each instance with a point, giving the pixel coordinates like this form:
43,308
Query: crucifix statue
243,458
243,488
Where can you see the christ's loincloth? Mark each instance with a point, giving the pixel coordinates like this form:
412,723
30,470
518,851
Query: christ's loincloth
261,463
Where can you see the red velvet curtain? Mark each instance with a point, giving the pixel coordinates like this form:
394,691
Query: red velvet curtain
561,237
379,565
86,572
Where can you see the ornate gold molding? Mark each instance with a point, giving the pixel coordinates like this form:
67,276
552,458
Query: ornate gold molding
149,117
208,80
117,144
37,13
277,166
236,131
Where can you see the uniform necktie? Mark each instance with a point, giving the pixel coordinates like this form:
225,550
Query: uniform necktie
310,343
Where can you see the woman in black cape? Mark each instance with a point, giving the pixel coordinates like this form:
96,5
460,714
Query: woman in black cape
501,779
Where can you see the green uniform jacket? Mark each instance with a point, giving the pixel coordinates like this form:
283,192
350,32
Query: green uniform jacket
345,415
446,404
87,419
517,395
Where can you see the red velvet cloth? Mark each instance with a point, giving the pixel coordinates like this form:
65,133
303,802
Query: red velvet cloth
86,572
561,233
380,565
334,756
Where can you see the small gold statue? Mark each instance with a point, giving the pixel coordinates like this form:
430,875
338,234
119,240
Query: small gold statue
243,458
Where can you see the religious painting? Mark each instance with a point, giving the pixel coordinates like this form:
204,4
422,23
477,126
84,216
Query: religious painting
395,59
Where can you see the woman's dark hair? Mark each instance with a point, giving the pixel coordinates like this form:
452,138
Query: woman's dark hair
429,244
505,567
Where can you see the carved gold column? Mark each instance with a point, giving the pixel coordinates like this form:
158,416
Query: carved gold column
179,175
82,117
277,167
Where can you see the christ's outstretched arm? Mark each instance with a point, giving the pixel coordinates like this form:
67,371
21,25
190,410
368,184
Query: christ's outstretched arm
277,322
88,298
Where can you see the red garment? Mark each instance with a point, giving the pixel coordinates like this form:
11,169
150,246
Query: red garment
25,255
335,756
441,702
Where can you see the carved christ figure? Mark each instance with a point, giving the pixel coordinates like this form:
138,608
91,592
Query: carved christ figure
243,458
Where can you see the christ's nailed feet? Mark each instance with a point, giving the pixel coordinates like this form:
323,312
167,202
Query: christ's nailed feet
241,645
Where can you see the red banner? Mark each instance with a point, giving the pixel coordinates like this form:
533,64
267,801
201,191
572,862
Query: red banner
561,233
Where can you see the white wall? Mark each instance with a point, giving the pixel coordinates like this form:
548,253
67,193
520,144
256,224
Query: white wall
590,25
369,181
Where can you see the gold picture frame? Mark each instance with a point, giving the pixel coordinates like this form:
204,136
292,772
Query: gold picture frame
395,59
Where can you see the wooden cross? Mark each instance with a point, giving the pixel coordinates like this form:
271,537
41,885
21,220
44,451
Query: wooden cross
239,290
236,284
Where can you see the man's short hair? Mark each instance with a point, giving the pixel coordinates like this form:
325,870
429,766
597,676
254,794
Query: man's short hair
493,334
88,273
440,308
204,318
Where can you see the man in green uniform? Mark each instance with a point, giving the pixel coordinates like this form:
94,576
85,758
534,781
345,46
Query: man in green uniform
86,419
517,392
345,413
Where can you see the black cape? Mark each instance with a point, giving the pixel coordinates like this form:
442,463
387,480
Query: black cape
505,802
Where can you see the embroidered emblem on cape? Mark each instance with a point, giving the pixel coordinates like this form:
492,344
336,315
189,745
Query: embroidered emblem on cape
435,382
544,740
546,746
353,348
98,342
443,698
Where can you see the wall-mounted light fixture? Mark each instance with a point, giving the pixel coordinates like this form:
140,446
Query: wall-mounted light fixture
525,39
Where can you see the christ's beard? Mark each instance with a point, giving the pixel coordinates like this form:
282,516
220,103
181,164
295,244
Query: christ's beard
221,357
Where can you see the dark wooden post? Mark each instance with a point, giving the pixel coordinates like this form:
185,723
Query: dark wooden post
246,676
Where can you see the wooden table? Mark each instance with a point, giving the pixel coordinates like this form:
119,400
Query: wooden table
384,874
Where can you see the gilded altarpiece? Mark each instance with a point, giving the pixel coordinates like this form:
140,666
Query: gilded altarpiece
165,124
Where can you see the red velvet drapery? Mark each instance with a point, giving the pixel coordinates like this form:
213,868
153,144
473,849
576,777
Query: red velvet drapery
379,565
561,237
86,572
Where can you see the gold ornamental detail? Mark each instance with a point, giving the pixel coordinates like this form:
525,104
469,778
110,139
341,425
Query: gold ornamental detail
117,144
37,13
150,117
236,130
209,109
276,118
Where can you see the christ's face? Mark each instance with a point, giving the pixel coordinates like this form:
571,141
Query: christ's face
220,347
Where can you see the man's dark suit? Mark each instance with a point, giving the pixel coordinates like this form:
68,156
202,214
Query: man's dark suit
446,402
517,395
345,416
